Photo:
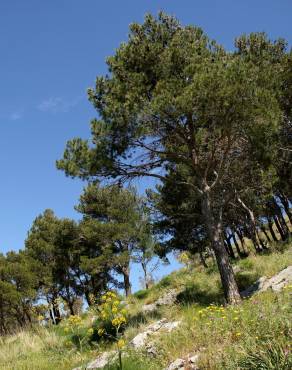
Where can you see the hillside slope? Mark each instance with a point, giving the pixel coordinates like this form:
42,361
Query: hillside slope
255,335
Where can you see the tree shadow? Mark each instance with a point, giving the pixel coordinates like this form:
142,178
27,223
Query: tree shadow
245,279
195,294
142,318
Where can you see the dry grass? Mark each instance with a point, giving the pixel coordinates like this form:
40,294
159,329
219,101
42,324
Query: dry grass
225,337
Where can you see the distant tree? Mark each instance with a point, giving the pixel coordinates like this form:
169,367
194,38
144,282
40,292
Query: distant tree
50,243
18,292
145,249
112,220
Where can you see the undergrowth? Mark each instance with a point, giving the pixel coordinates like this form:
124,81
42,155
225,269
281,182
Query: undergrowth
254,335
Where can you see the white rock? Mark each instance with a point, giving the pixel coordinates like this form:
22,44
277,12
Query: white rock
156,325
149,307
102,360
141,339
276,283
169,326
193,362
179,363
167,299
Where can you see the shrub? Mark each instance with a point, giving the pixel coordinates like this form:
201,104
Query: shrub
164,282
271,357
112,317
142,294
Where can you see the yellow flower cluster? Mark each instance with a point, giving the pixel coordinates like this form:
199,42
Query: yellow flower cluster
109,296
111,311
74,320
118,321
121,343
100,332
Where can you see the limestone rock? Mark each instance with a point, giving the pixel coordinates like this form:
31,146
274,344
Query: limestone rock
102,360
179,363
149,307
194,359
188,363
151,349
276,283
141,339
169,326
167,299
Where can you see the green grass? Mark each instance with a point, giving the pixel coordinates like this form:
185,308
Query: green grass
254,335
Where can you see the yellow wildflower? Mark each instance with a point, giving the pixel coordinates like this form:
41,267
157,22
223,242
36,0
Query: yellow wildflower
100,332
121,343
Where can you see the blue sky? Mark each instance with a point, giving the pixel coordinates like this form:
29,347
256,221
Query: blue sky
51,51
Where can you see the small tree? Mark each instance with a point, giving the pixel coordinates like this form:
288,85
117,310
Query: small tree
113,220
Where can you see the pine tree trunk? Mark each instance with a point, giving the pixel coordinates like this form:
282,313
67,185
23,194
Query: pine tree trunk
261,241
253,230
281,218
266,234
228,245
202,259
127,283
144,268
285,201
270,223
241,238
240,254
278,226
214,229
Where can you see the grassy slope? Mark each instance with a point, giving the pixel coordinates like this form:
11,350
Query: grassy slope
226,337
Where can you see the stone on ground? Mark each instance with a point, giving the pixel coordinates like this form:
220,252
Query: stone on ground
276,283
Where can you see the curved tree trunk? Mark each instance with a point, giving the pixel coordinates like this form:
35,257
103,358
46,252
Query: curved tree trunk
263,229
228,245
144,268
126,276
241,238
285,201
239,252
270,223
202,259
277,223
214,229
253,229
281,219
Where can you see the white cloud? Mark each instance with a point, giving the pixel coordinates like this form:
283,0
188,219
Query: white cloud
57,104
15,116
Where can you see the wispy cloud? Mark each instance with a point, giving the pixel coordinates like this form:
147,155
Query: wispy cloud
15,116
58,104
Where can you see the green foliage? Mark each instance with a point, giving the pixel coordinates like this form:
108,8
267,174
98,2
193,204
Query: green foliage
164,282
268,356
141,294
178,107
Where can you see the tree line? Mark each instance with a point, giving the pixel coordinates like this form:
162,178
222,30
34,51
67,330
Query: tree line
213,127
65,262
